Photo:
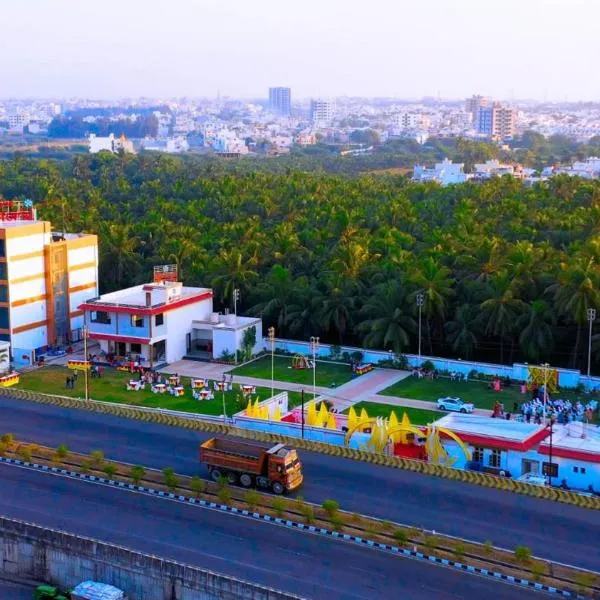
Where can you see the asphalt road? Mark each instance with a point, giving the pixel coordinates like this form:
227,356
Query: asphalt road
307,565
15,591
555,531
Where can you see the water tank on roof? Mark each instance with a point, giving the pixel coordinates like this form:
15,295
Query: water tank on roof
214,317
230,319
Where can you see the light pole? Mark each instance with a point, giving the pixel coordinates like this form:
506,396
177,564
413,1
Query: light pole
236,298
272,340
314,345
420,302
85,364
545,366
591,315
224,408
550,465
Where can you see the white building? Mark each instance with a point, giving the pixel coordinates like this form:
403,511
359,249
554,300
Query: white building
44,277
411,120
229,143
110,143
492,168
445,173
589,169
322,112
164,322
18,121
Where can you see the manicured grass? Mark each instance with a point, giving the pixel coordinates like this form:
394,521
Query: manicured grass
111,387
326,373
417,416
476,392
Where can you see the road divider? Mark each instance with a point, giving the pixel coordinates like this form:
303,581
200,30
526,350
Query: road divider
328,519
199,423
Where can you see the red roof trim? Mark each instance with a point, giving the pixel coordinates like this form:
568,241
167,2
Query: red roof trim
144,310
503,443
119,338
592,457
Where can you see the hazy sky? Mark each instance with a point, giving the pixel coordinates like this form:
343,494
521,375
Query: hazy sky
404,48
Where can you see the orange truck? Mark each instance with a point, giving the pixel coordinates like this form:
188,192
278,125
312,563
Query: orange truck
276,467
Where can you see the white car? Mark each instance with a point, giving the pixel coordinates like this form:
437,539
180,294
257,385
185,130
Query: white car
454,404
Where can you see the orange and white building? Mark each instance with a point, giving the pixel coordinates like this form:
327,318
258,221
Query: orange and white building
44,277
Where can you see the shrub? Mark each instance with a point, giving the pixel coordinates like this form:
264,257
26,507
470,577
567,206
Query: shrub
331,507
400,536
387,526
430,543
7,438
252,499
224,495
355,518
488,547
357,356
337,521
110,470
522,554
97,459
278,505
3,448
170,479
62,451
24,453
584,581
428,366
299,503
308,513
86,467
538,570
222,482
197,485
459,550
137,473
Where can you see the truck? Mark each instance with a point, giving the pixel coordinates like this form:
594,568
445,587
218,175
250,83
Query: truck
252,464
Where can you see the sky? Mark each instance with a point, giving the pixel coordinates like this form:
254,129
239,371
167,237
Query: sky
540,49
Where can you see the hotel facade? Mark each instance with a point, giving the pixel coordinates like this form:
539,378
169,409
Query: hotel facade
44,277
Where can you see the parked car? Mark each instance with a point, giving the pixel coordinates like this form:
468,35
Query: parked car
454,404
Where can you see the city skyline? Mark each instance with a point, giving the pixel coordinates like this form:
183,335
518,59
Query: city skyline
329,49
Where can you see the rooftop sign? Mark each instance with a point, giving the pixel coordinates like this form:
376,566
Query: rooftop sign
17,210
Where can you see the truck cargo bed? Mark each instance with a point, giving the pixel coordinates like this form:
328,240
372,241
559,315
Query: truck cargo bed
234,455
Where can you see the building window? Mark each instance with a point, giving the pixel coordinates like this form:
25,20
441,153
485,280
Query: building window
575,469
495,458
137,321
3,271
2,248
550,469
136,348
159,319
101,316
5,337
582,470
4,318
3,293
477,455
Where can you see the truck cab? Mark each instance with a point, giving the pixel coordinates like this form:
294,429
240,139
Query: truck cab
285,466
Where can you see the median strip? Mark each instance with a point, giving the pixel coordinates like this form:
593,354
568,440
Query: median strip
326,520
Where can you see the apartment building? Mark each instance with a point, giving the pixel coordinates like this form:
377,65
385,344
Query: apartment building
497,121
44,276
280,100
322,111
474,104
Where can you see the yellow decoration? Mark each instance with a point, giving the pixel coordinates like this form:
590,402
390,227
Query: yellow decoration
331,424
406,425
352,418
311,415
264,412
323,415
276,416
364,419
393,425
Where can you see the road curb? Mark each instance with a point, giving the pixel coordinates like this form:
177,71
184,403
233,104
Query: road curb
163,418
364,542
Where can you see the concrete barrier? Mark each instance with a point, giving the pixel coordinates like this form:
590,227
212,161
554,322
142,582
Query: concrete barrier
36,553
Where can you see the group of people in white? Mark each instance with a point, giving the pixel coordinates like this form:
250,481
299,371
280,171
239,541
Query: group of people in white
562,411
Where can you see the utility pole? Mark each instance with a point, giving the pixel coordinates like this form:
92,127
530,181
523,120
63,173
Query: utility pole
591,315
236,297
420,302
272,340
545,366
87,364
302,413
314,345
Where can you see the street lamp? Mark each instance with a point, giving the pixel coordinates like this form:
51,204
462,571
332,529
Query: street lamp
271,331
545,366
420,302
550,465
224,408
591,315
85,358
314,346
236,298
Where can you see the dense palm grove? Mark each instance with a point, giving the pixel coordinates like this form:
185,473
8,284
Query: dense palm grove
507,271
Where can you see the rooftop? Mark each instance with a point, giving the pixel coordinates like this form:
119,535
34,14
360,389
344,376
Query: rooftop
574,440
493,432
229,321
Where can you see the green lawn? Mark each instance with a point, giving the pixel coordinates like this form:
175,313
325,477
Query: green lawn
112,388
476,392
417,416
326,373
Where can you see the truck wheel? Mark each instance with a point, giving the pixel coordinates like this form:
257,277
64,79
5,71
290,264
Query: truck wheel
232,478
215,474
262,482
278,488
246,480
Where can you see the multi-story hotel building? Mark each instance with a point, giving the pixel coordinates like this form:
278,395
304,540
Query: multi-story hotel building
44,277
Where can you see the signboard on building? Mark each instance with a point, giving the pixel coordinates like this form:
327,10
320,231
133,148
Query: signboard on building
165,273
17,210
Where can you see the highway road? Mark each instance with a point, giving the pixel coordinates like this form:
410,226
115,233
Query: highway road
555,531
307,565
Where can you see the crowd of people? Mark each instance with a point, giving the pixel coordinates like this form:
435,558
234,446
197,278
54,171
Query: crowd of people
562,411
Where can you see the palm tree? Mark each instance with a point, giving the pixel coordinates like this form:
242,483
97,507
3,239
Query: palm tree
235,272
387,324
577,289
462,330
338,308
118,253
501,308
536,338
303,315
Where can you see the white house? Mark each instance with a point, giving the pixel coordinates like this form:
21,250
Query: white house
163,322
110,143
445,173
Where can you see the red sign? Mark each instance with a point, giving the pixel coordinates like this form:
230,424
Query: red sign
165,273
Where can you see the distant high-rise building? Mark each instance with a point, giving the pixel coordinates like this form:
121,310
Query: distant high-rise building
322,111
280,100
473,104
497,121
